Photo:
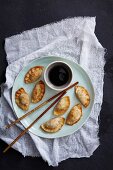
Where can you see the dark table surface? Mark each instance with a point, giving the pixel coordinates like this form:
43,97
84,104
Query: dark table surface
20,15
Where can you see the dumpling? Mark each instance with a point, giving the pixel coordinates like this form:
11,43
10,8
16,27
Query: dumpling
53,125
38,92
22,99
62,106
83,95
33,74
74,115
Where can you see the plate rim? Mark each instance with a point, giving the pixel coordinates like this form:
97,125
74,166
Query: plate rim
40,58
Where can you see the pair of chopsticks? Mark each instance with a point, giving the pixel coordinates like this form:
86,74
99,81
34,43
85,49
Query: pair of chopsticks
59,95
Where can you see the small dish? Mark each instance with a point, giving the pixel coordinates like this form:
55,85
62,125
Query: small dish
58,75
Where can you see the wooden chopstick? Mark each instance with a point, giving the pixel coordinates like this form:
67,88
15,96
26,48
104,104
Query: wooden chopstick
39,106
26,129
30,112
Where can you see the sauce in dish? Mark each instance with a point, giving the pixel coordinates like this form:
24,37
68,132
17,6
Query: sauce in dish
58,75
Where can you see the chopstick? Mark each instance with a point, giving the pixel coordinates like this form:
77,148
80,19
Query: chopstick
30,112
39,106
26,129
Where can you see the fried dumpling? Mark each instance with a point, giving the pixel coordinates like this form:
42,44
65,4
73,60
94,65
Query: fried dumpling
83,95
62,106
33,74
53,125
22,99
74,115
38,92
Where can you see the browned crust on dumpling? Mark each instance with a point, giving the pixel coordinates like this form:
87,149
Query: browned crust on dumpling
22,99
53,125
38,92
62,106
33,74
83,95
74,115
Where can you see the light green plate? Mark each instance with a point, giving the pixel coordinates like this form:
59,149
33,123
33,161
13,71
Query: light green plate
78,75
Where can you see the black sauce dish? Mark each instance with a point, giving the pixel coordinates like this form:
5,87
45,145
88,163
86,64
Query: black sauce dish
58,75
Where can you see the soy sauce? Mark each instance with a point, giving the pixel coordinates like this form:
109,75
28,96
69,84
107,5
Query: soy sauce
58,75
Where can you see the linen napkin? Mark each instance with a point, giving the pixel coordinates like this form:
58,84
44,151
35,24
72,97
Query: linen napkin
72,38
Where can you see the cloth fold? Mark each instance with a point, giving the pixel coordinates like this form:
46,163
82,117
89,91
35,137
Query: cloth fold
72,38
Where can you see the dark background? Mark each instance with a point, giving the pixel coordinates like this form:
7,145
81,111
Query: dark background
19,15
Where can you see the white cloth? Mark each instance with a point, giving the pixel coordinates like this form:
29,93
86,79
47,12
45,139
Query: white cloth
72,38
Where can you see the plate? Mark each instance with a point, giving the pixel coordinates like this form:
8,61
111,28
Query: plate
79,75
